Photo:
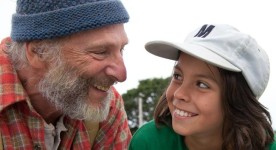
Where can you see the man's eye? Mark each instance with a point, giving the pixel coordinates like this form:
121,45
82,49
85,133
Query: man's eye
98,54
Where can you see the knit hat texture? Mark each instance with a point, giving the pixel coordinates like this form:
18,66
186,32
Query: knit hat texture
44,19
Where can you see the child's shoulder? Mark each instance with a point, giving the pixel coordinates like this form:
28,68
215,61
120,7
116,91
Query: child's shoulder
272,146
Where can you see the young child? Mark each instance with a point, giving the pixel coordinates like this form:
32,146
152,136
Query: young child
211,102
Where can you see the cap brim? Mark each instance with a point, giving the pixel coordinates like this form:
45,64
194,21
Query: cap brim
171,50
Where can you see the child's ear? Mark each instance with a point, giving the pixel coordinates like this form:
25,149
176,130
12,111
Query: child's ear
34,58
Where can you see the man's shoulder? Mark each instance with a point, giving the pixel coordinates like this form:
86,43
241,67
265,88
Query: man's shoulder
14,106
11,88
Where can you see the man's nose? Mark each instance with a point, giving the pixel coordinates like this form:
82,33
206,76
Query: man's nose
117,69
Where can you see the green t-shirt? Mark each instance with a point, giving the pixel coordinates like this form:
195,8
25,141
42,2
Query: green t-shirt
149,137
272,146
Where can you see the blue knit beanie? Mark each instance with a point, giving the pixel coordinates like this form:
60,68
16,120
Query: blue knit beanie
44,19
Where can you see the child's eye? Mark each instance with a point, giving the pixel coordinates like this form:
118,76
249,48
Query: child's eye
202,85
176,76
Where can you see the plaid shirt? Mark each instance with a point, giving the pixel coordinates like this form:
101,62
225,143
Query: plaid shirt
22,128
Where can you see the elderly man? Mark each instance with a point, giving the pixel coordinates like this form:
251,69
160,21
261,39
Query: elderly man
57,73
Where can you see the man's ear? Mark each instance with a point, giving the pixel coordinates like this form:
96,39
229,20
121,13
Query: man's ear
34,58
5,43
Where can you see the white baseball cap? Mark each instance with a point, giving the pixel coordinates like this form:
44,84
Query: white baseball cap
225,47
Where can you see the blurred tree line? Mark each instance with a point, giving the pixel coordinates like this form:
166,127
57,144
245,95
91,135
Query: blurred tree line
148,91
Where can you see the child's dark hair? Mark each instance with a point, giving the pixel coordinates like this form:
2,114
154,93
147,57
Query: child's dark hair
247,123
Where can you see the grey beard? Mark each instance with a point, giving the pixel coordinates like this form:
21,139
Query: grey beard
69,93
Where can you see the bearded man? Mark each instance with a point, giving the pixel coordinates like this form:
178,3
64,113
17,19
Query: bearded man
57,73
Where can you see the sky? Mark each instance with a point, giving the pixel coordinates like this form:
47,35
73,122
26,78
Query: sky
172,20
